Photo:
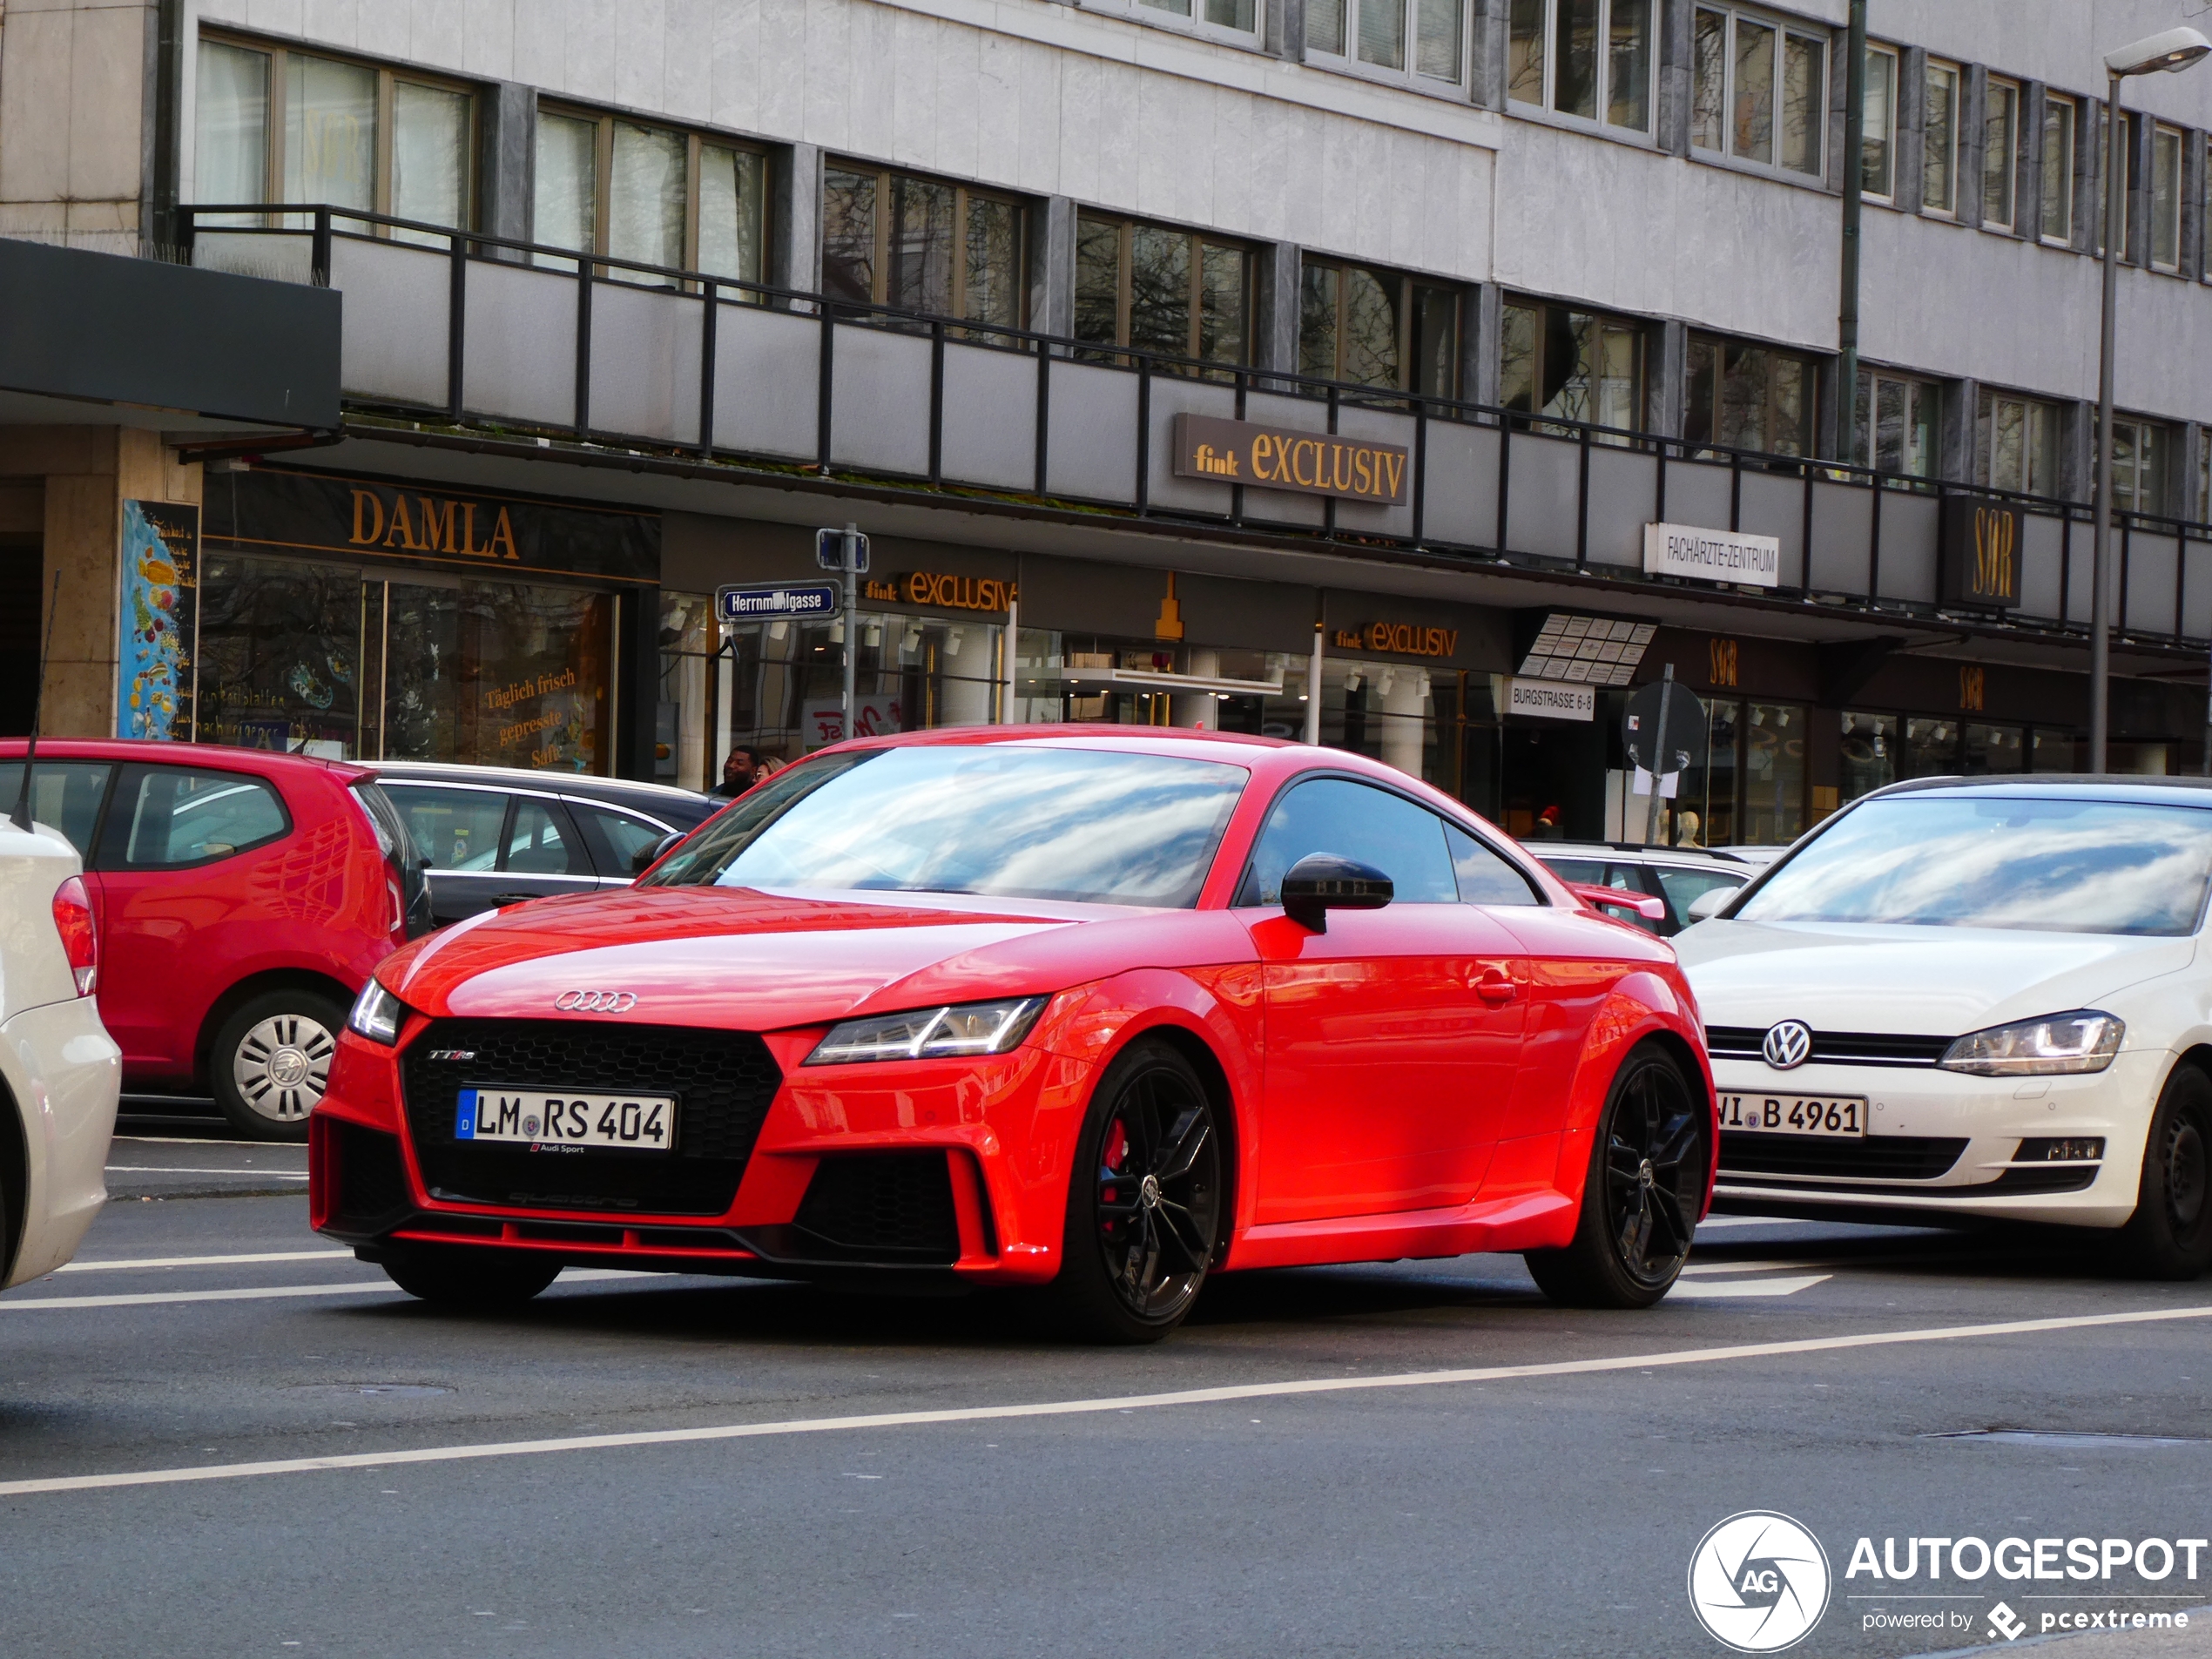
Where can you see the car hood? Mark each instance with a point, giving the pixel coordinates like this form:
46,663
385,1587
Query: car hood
755,960
1922,981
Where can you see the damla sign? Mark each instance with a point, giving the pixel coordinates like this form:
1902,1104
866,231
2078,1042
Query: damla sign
1312,463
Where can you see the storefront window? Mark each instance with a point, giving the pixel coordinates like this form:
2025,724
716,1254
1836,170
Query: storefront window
279,656
1774,775
1931,747
1867,758
1994,748
784,681
496,673
2053,751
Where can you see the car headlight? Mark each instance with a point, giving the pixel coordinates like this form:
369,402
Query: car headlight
2082,1041
376,1015
931,1034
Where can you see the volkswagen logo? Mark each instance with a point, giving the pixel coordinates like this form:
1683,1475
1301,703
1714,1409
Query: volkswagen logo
596,1002
1759,1582
1787,1045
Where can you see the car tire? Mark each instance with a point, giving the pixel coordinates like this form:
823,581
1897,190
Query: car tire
470,1280
1649,1162
1144,1212
271,1061
2169,1236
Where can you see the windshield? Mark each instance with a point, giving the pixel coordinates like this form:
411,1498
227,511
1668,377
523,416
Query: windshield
1006,819
2073,866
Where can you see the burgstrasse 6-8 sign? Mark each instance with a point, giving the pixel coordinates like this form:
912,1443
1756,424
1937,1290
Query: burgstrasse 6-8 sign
1312,463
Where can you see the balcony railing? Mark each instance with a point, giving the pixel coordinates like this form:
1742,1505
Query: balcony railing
463,327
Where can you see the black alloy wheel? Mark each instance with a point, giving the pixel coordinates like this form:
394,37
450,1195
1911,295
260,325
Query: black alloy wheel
1645,1186
2170,1234
1144,1204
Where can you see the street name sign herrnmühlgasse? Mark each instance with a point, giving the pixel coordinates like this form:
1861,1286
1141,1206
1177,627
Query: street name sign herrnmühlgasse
1312,463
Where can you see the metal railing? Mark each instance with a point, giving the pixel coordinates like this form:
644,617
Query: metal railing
701,365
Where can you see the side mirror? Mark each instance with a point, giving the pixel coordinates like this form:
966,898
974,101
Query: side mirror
1711,902
1321,882
646,857
1644,905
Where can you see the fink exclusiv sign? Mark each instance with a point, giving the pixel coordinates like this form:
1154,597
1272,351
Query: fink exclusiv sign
1712,556
1312,463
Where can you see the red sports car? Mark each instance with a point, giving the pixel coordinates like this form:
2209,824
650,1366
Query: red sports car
1093,1008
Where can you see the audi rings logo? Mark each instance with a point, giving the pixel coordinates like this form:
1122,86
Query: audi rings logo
1787,1045
596,1002
1759,1582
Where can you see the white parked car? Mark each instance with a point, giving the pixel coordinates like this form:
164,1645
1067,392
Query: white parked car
1975,998
60,1072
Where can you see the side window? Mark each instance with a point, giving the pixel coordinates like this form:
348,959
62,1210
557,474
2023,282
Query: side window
1484,876
541,841
1685,887
65,794
175,817
1355,820
1590,872
619,838
455,829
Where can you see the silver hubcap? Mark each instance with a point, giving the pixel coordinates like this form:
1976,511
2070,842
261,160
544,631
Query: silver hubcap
283,1065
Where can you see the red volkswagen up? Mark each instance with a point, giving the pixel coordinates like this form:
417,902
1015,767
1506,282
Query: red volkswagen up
242,898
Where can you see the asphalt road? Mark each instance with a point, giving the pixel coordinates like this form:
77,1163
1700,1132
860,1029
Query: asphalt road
1549,1503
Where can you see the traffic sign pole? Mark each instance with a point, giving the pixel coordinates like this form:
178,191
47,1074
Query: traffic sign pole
851,548
1666,707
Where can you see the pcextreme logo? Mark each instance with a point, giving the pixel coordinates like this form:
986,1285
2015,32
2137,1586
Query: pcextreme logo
1759,1582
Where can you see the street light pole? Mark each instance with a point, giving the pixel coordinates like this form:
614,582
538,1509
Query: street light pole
2101,555
2175,49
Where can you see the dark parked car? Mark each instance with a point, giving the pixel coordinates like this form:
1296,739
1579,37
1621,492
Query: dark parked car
493,836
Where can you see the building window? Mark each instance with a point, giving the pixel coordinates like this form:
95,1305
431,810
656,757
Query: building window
892,238
2165,199
658,196
1899,423
1591,59
2056,209
1223,13
2019,442
1940,141
1749,396
1376,32
1999,137
1758,90
1572,365
2139,451
275,124
1378,328
1162,289
1877,139
1750,788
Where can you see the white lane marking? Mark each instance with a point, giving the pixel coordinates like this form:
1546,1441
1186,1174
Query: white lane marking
173,1169
1699,1288
1751,1267
201,1261
359,1287
184,1140
1086,1407
1756,1221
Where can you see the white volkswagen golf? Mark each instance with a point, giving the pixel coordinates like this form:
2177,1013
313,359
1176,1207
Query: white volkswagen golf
1975,998
59,1071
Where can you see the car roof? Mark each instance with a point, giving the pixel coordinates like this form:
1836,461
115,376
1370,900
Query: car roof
573,783
1635,850
2092,785
223,757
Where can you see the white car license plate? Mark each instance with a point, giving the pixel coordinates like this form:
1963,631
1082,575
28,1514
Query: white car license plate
541,1117
1843,1116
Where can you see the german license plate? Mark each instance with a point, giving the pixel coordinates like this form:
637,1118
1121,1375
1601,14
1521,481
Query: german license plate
1843,1117
544,1118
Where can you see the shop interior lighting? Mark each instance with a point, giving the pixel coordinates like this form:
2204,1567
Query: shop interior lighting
837,633
1353,681
1588,651
1388,684
913,639
952,637
779,628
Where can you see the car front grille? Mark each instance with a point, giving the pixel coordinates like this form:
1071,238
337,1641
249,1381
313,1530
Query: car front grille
722,1081
1878,1157
1831,1048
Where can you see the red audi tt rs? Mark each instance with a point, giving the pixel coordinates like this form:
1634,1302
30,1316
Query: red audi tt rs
1091,1008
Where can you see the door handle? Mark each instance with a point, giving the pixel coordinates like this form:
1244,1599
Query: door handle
1496,989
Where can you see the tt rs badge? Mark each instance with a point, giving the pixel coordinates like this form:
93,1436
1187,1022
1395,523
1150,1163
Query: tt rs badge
596,1002
1787,1045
